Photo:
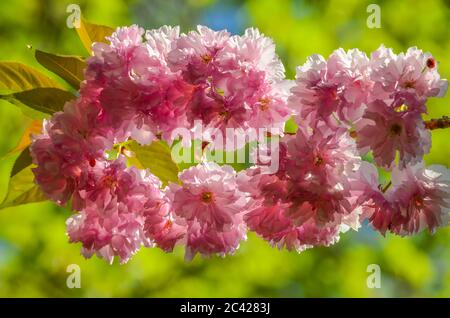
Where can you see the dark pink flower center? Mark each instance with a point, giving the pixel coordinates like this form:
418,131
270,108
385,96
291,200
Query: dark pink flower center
168,225
264,104
110,182
207,197
409,84
396,130
206,58
431,62
418,201
318,160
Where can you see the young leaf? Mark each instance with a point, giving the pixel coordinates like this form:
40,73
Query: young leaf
70,68
34,127
44,99
17,77
22,190
291,126
22,162
157,158
90,33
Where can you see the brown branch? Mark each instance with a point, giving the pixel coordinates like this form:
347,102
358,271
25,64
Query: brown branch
437,123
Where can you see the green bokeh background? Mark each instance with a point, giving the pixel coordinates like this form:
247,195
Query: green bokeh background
34,252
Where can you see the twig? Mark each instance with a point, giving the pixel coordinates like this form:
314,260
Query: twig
437,123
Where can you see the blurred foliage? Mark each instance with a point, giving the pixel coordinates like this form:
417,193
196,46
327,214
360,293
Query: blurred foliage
34,252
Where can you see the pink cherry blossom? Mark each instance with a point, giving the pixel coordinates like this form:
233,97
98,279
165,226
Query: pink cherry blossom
56,178
388,129
140,94
194,53
321,154
239,80
271,223
115,60
143,85
313,197
207,240
252,52
418,199
413,72
421,196
376,202
338,87
271,109
71,142
160,226
212,208
119,235
113,203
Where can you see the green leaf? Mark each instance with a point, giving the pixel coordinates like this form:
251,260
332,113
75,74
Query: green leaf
157,158
90,33
70,68
33,127
291,126
17,77
239,158
22,161
45,100
22,190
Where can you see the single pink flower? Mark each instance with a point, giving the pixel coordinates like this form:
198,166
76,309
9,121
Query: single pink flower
194,53
421,196
321,154
56,178
388,129
332,89
252,52
271,223
113,203
413,72
210,205
207,240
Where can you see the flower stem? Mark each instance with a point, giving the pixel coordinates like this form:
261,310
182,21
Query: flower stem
437,123
386,187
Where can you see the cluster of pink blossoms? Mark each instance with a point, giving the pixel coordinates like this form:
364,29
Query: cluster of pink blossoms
145,84
156,81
